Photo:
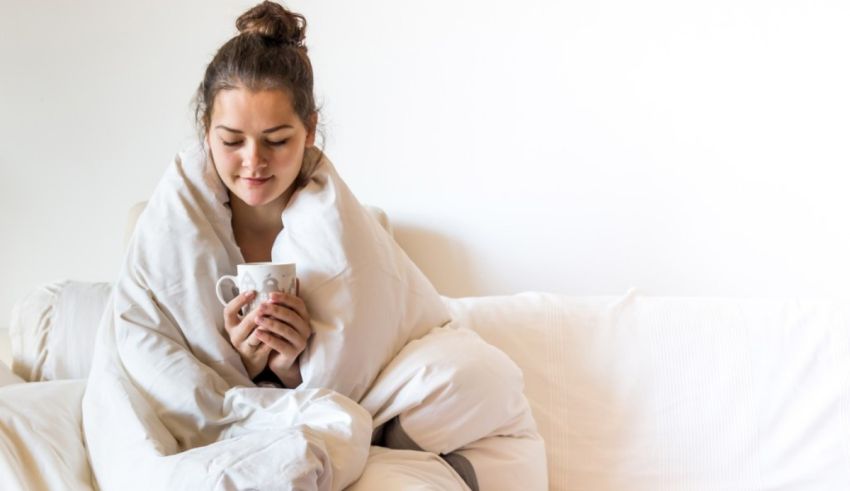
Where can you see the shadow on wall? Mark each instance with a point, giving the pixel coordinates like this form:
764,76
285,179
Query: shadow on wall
443,260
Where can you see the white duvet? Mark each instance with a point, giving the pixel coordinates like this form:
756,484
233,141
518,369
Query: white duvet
169,405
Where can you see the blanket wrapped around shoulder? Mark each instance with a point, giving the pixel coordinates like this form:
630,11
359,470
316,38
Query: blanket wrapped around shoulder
169,404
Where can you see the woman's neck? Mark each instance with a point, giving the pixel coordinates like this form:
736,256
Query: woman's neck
253,218
255,228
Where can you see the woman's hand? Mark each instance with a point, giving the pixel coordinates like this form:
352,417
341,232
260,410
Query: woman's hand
284,327
242,331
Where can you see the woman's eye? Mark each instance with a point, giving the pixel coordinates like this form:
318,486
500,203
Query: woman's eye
279,143
230,144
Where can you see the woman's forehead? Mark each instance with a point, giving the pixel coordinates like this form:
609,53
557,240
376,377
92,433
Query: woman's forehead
267,108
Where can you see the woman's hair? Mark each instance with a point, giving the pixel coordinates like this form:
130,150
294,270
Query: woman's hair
268,53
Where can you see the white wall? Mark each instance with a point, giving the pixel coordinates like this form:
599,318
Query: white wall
583,147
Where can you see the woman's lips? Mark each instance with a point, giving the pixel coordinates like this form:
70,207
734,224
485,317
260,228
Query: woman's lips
254,182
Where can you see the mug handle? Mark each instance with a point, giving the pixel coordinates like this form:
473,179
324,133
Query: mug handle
218,284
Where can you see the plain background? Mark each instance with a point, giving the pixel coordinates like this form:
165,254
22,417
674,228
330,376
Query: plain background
578,147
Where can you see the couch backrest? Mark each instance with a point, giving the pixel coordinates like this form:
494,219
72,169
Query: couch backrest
646,393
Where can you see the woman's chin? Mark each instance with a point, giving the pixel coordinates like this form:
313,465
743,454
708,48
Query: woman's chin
259,197
255,199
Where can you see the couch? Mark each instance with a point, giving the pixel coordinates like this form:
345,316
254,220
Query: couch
630,392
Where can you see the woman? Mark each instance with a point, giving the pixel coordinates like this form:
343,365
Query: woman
258,115
170,404
173,391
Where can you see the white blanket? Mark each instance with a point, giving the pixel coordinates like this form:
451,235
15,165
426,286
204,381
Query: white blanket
169,399
366,297
169,404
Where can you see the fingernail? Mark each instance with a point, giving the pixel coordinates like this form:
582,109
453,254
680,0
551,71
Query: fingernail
250,293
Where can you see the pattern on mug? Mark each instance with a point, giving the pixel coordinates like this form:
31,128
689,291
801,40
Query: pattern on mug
269,285
247,284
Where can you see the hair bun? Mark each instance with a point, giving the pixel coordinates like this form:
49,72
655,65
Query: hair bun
273,22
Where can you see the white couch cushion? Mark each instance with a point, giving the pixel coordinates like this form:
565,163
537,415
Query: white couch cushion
644,393
41,440
53,330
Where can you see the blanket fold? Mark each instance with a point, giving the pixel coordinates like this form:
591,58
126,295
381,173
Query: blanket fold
366,298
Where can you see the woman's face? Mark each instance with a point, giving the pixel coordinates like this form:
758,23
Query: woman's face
257,142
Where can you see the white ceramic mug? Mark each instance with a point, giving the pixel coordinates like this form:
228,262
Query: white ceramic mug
263,278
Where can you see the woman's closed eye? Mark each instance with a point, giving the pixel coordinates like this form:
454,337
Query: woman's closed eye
273,143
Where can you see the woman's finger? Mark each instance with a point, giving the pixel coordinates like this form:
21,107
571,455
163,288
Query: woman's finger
279,312
294,302
276,343
283,331
233,307
288,316
243,329
255,344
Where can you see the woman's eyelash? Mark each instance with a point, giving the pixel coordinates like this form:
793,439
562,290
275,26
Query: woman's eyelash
233,144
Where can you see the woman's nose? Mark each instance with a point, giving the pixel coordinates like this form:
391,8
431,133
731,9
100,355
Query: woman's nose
253,158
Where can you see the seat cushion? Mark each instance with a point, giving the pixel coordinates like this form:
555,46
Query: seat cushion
41,440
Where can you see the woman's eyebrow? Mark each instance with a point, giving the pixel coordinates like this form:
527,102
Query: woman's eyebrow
270,130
